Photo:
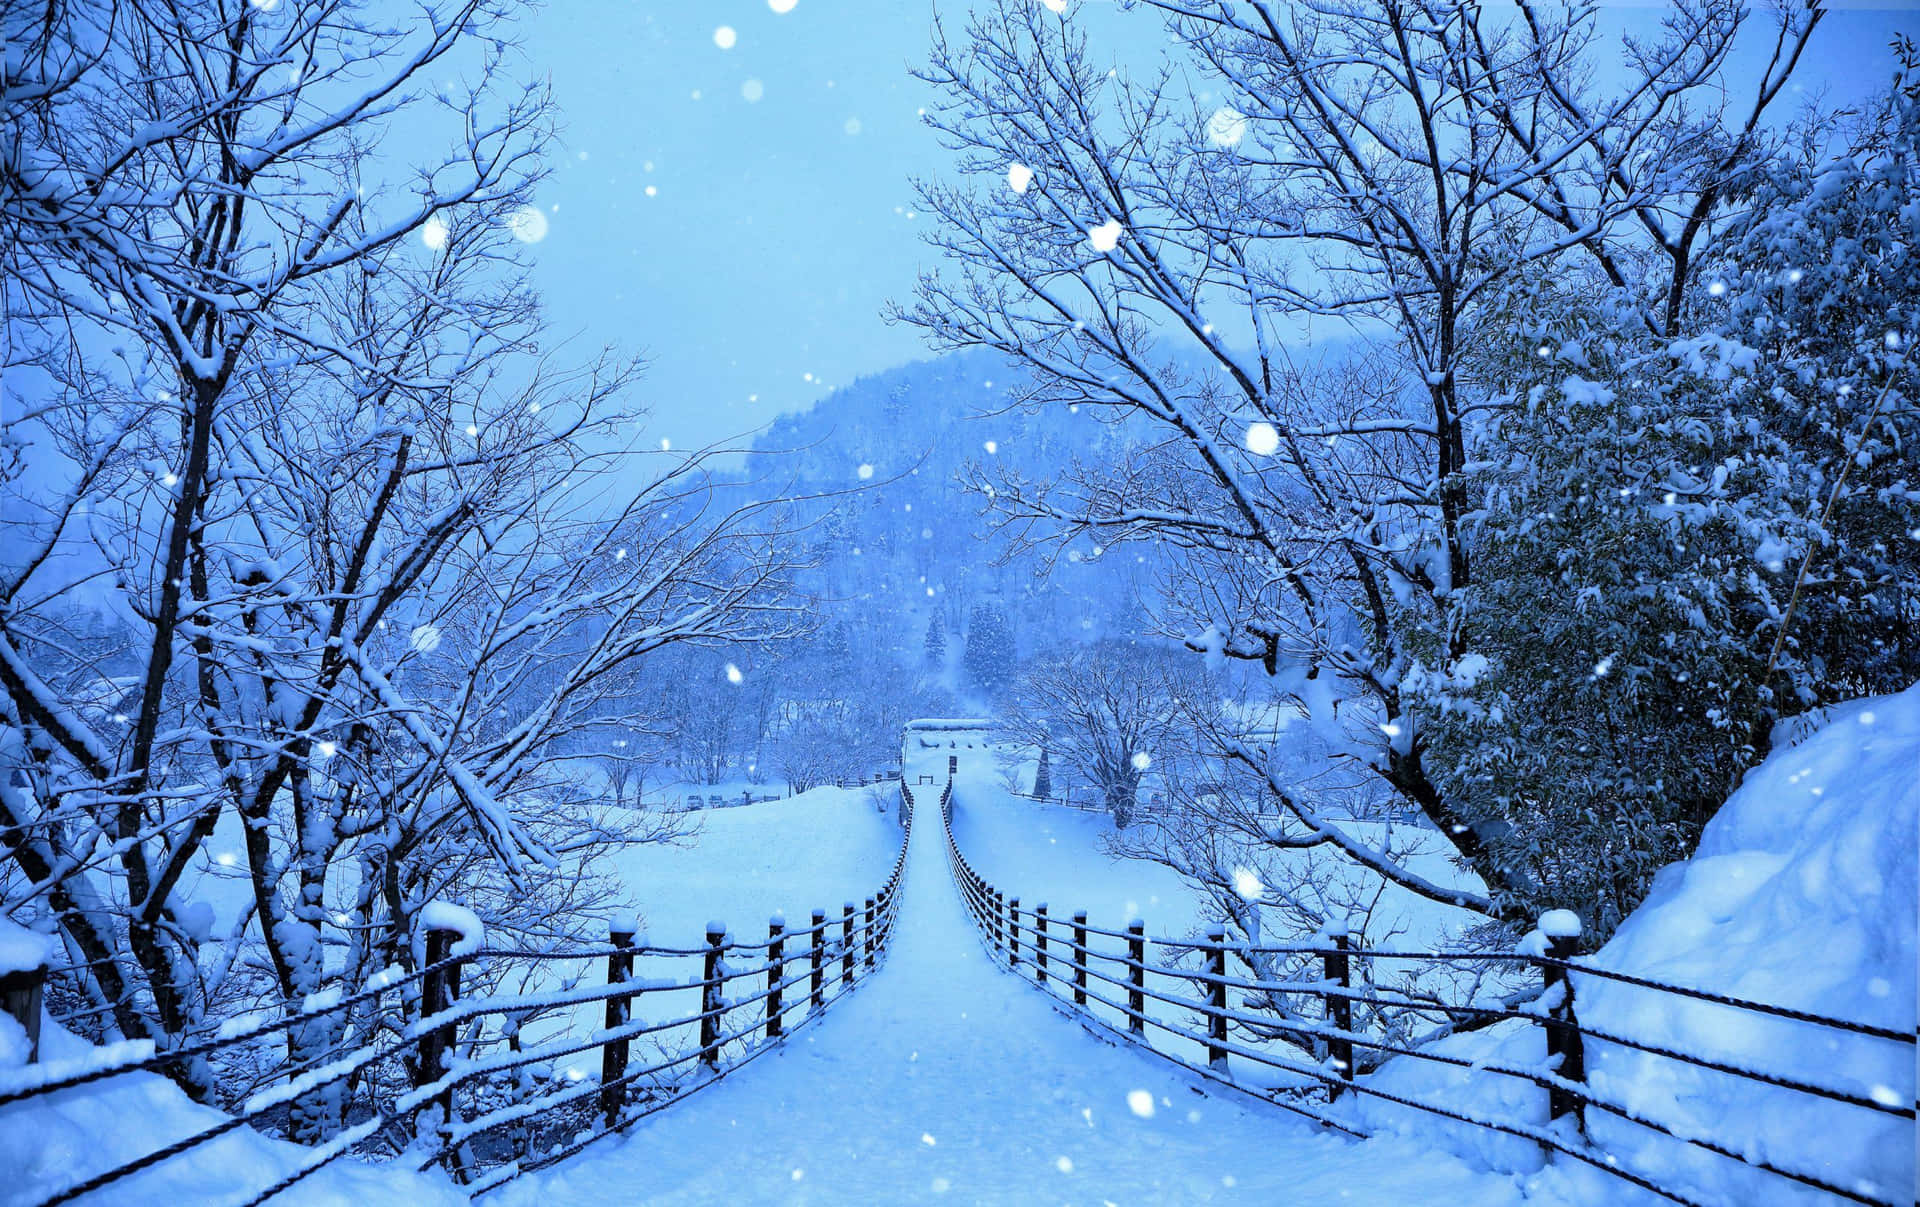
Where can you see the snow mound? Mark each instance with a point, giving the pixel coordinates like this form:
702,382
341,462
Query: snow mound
50,1142
1804,893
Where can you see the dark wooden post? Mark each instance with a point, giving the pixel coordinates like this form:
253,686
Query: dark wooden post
819,959
1337,968
1562,931
953,767
846,944
867,938
1217,998
1040,943
1079,957
710,997
22,994
1137,976
776,972
439,990
613,1053
1013,932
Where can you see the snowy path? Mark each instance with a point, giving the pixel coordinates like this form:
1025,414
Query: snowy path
945,1079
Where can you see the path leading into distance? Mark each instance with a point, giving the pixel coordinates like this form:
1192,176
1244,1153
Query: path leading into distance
946,1080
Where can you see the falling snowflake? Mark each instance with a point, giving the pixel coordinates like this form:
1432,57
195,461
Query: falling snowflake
1140,1102
424,638
1226,127
1263,439
527,224
733,673
992,446
1057,6
434,232
1141,760
724,37
781,6
1063,1164
865,471
852,126
752,91
1019,176
1247,884
1106,236
327,750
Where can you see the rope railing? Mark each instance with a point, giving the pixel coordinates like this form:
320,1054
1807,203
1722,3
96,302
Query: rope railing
1056,953
796,974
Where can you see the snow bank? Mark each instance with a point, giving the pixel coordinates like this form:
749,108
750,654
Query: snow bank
21,949
1803,894
51,1142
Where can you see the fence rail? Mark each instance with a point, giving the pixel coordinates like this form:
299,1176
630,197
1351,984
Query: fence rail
1146,991
481,1109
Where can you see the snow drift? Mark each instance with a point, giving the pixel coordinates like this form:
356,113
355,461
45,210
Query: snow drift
1803,894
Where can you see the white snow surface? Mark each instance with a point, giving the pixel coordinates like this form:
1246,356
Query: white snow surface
1803,893
50,1142
945,1079
445,915
21,948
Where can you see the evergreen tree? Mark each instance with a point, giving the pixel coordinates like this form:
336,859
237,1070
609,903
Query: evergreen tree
989,655
936,642
1043,777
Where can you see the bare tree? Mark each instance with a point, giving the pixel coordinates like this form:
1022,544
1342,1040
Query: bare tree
358,557
1108,712
1391,170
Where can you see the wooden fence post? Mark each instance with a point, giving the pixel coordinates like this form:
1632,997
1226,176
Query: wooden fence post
22,994
1079,957
1040,943
1561,928
819,959
439,990
776,972
867,937
1137,976
846,944
1013,932
1337,970
710,997
1217,998
613,1053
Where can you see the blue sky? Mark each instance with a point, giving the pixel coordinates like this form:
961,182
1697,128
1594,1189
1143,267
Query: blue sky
752,276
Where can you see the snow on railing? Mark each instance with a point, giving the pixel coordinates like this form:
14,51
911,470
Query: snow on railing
544,1119
1193,1025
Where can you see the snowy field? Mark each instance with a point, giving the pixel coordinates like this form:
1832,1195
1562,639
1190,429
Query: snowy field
816,850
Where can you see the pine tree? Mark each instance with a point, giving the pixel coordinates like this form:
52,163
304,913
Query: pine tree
989,655
936,642
1043,778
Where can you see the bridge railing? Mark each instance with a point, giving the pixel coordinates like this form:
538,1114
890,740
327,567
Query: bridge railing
489,1106
1176,999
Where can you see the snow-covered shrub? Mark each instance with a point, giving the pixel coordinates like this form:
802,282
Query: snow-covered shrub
1801,895
1637,621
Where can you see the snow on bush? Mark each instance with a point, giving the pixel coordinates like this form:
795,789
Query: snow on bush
1802,894
53,1141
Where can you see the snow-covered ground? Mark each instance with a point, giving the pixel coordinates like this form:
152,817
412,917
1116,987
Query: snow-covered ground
819,849
945,1079
1802,894
51,1142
